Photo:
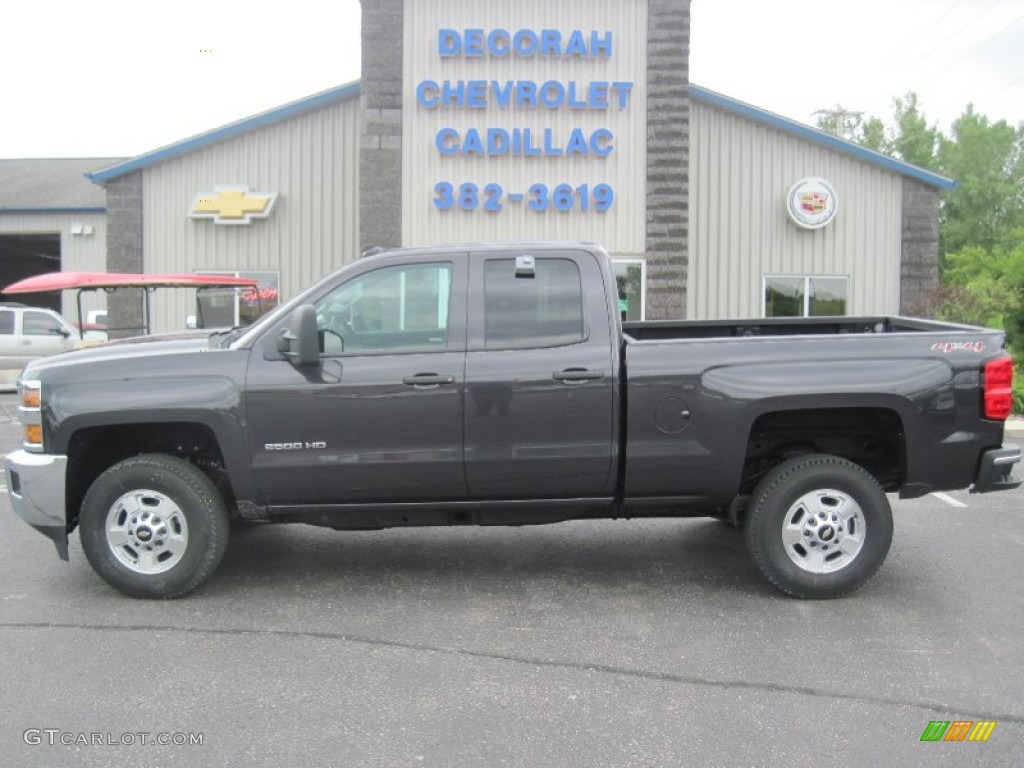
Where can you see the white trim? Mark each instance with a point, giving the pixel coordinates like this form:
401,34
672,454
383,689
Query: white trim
643,281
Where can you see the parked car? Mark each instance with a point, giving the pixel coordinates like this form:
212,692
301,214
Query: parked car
496,385
28,333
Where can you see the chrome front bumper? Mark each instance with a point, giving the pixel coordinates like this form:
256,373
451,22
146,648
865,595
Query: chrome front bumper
35,484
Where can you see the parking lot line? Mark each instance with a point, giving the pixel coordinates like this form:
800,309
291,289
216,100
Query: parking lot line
949,500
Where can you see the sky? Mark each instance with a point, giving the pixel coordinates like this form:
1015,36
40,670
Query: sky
110,78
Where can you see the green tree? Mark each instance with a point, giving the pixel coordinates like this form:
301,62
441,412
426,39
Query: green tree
873,135
986,210
995,280
913,140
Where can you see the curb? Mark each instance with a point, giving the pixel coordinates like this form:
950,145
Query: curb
1014,429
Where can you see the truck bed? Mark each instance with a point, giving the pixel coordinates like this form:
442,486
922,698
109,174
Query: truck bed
784,326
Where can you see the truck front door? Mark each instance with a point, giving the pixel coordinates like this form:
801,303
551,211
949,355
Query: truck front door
380,418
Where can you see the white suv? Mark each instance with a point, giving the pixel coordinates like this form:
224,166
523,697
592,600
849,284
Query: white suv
28,333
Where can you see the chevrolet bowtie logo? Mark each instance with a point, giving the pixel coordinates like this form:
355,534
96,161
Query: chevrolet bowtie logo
232,205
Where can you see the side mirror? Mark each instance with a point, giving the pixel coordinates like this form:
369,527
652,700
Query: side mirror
301,342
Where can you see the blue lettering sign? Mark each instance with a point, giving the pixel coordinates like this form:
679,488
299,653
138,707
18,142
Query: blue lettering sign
497,141
552,94
473,42
472,145
601,47
597,96
501,97
449,42
476,94
499,42
447,141
525,42
601,142
526,93
453,96
623,90
550,42
427,94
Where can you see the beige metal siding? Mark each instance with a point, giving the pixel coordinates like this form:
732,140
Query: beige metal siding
78,253
740,173
622,228
311,161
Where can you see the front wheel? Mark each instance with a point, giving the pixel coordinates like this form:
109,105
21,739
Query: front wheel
819,526
153,526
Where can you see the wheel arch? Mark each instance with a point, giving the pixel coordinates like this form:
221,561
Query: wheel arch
871,435
94,449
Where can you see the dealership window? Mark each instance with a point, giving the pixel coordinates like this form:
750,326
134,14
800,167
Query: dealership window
805,296
631,277
224,307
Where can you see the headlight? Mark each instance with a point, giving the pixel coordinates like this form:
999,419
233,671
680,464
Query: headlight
30,401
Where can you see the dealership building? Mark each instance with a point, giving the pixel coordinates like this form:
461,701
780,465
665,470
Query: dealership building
522,120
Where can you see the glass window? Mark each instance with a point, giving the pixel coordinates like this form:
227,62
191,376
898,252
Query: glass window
394,309
805,296
629,275
541,311
783,297
6,322
827,296
228,307
40,324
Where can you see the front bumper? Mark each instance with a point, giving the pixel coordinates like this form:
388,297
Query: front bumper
35,483
995,472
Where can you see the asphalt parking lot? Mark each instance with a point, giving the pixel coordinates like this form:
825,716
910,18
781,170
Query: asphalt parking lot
645,643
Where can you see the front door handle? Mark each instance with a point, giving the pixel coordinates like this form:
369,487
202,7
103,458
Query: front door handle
577,374
427,380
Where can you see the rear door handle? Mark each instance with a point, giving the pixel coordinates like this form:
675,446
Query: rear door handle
427,380
577,374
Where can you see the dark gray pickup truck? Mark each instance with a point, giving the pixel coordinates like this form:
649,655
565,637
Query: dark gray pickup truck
496,385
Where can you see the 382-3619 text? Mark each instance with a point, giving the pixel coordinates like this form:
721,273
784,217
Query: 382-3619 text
538,198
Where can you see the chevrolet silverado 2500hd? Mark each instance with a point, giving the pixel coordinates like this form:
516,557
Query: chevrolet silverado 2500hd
496,385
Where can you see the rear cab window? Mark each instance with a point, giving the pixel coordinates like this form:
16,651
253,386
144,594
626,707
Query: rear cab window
545,310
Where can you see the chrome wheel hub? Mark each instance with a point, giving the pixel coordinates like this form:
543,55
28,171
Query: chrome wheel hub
146,531
823,531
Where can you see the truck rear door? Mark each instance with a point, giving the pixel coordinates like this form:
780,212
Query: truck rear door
541,377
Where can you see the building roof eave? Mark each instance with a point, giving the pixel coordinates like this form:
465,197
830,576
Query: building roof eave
231,130
816,136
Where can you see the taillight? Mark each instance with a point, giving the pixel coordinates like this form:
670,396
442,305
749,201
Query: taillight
998,388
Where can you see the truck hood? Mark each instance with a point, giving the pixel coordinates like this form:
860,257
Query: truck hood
162,345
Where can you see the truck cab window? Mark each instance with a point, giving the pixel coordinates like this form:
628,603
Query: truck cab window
395,309
541,311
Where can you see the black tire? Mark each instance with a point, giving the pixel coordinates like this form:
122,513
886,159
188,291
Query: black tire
803,558
160,503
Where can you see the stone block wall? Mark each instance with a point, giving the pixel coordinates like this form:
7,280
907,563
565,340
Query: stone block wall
668,157
380,148
125,250
919,261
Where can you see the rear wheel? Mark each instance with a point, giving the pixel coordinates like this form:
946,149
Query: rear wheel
819,526
153,526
